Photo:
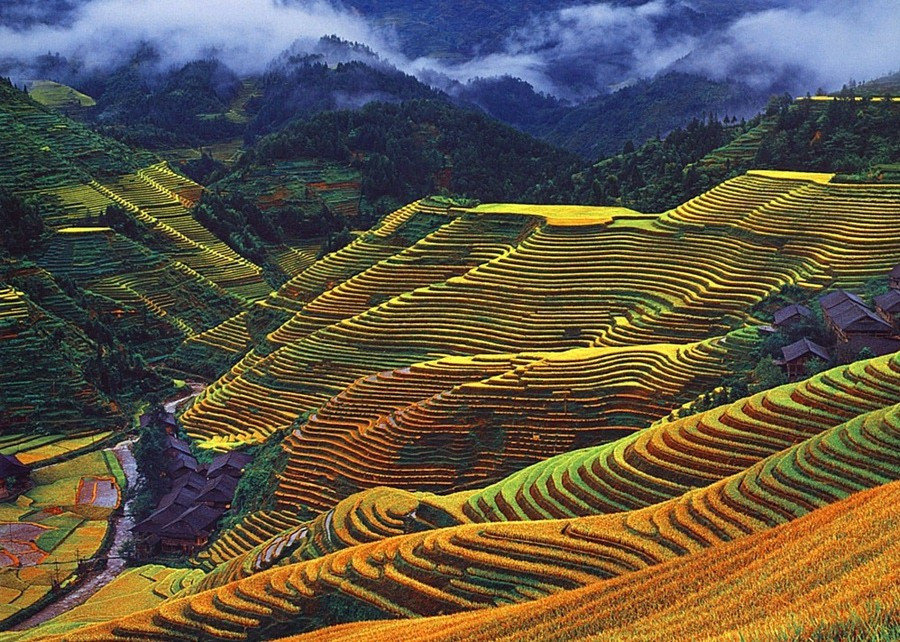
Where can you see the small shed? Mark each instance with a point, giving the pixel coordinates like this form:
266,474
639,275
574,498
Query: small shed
791,314
799,353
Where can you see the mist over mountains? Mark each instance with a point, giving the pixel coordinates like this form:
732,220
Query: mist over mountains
573,51
587,77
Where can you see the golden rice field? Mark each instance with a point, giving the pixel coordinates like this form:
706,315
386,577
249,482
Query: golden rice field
423,571
145,587
434,282
35,450
815,575
646,468
469,401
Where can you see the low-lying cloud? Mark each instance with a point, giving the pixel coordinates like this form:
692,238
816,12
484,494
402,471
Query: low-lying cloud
579,51
794,45
823,45
573,53
245,34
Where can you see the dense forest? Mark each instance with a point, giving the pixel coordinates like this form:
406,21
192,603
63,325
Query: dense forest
187,106
308,85
408,150
855,137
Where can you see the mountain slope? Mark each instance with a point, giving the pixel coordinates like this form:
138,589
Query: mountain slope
601,126
115,271
831,570
473,567
540,296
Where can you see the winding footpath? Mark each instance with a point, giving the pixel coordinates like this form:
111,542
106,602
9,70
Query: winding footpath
121,524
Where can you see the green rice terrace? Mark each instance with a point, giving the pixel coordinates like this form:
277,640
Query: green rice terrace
468,419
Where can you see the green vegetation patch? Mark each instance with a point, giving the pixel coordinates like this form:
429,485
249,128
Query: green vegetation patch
53,94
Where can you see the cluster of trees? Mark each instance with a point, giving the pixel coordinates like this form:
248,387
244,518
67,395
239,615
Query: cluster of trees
405,151
307,86
239,221
115,364
144,108
661,173
21,224
256,487
251,232
148,455
845,135
204,170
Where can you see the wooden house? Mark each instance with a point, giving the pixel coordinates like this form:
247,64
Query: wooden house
231,463
218,492
791,314
848,316
190,530
799,354
888,307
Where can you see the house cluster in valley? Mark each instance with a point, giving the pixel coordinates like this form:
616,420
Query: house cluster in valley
853,326
198,496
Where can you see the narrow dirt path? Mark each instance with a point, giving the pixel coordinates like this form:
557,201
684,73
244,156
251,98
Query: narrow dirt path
122,530
172,406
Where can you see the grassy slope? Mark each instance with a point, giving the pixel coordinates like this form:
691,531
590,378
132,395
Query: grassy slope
829,574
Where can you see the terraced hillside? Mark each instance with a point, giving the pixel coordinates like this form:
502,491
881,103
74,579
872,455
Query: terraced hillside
288,182
712,510
159,200
838,559
650,295
42,383
643,469
41,149
122,267
475,437
465,419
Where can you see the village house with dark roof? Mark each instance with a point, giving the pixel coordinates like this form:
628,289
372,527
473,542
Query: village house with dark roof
894,277
180,464
232,463
847,316
887,306
189,530
173,444
797,355
218,492
198,496
791,314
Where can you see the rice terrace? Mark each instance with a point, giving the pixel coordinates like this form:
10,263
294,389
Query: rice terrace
478,321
